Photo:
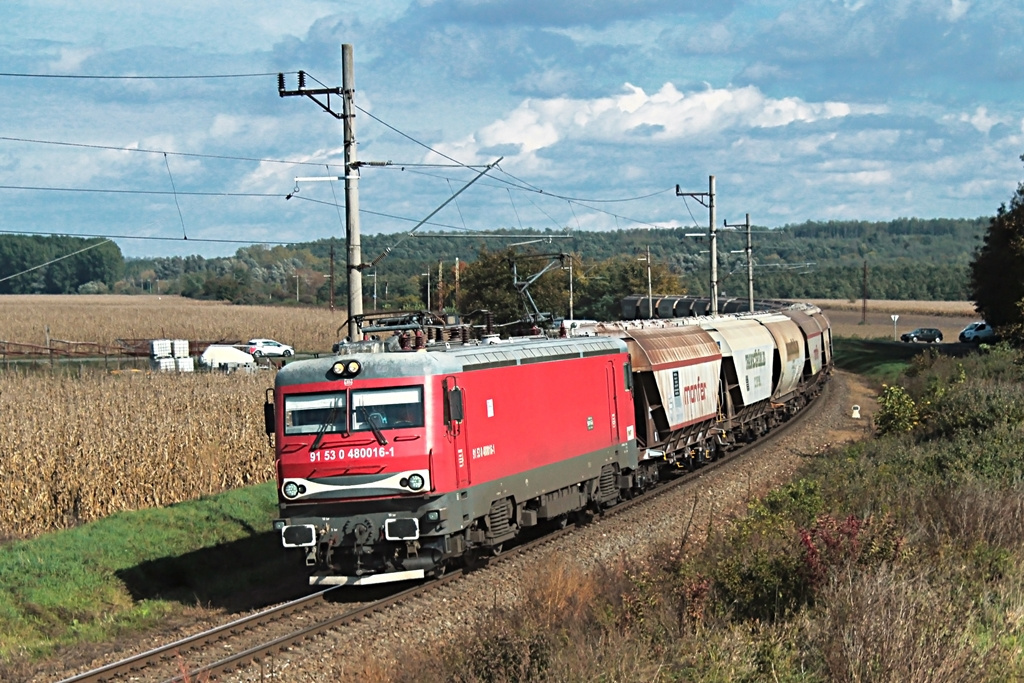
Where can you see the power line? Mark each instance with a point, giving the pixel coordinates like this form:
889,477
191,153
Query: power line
134,78
160,151
157,192
59,258
151,238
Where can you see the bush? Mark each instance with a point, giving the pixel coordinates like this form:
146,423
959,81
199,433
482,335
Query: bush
896,411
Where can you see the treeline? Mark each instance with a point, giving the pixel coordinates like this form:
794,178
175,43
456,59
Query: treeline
35,264
906,259
901,281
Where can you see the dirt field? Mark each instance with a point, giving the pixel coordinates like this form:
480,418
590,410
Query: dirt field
848,318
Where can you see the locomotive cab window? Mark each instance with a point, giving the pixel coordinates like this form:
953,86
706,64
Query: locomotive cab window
314,413
387,408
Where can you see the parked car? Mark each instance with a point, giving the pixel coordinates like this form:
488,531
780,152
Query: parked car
922,334
977,333
268,347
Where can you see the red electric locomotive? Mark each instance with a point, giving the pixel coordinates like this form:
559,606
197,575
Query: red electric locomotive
390,465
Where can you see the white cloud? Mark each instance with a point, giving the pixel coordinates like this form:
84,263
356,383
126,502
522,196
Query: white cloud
666,115
981,120
957,9
71,59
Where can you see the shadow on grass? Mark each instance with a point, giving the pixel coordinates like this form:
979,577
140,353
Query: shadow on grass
884,360
249,573
240,576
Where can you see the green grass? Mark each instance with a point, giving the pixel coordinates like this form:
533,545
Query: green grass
131,570
879,360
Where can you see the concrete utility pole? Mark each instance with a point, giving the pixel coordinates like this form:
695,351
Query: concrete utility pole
650,296
332,276
864,309
712,234
355,254
570,288
750,263
347,91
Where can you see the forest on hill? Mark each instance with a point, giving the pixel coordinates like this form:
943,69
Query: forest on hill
907,258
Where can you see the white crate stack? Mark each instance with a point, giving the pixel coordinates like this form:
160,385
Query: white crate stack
170,355
179,348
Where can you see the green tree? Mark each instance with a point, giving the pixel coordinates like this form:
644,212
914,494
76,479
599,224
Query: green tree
997,271
603,285
487,283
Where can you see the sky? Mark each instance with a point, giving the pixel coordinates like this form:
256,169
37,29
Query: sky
160,125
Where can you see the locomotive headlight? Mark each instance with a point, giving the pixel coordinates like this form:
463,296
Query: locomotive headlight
290,489
416,482
346,368
433,516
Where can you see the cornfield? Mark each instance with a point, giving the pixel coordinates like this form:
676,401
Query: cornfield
76,447
103,318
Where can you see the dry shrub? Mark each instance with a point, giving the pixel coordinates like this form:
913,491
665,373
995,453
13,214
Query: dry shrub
78,448
973,512
881,626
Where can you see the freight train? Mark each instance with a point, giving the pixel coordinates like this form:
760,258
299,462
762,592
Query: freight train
396,459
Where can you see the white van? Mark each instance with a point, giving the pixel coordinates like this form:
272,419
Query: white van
977,333
226,358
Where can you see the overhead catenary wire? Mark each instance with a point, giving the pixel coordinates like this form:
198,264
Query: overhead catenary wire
175,191
143,150
42,188
52,261
153,238
86,77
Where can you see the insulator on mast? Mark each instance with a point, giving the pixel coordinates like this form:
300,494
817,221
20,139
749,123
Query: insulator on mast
302,80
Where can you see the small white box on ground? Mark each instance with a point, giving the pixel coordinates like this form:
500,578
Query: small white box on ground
185,364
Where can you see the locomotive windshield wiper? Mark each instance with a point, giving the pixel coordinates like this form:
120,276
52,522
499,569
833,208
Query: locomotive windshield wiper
331,416
379,435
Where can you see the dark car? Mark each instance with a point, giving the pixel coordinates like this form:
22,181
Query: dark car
922,334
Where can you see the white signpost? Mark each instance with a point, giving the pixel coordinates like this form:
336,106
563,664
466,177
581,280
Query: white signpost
894,317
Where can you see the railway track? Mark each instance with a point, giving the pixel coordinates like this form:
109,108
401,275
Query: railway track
254,639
